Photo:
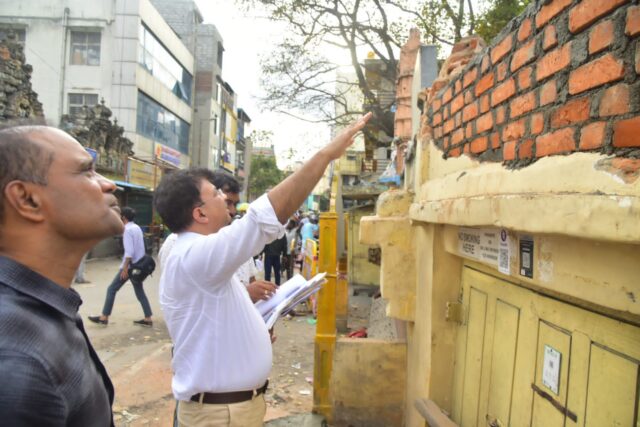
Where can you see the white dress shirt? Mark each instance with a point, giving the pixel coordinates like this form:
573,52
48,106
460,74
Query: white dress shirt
133,243
247,271
221,343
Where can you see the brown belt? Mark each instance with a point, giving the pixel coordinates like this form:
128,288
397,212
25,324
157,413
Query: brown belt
230,397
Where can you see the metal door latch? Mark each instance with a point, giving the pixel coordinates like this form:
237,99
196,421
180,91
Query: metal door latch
455,312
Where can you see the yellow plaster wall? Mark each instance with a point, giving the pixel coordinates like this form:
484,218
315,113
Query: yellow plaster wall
381,366
360,271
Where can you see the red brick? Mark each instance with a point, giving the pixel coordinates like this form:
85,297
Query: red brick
455,152
437,119
549,11
525,151
485,64
457,137
457,104
458,86
495,140
574,111
466,149
525,30
560,141
484,84
484,104
592,136
439,84
523,104
468,96
458,119
500,115
503,92
537,123
470,77
615,100
626,133
523,55
549,38
468,131
509,150
548,93
501,71
470,112
601,37
524,78
553,62
448,127
447,95
587,11
633,21
436,104
628,166
445,142
484,122
513,131
501,49
479,145
437,132
598,72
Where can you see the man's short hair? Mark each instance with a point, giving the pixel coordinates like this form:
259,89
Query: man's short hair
128,213
177,194
22,158
226,182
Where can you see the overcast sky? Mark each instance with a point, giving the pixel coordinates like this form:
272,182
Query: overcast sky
246,37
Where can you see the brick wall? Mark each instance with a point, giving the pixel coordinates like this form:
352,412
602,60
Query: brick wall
562,77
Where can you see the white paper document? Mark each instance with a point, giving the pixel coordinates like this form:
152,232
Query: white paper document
288,295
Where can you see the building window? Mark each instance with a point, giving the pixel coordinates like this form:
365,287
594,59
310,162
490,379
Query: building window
157,60
78,100
220,54
161,125
85,48
20,34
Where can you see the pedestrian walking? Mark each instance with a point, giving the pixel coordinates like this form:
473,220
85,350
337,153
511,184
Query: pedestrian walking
133,242
272,255
54,208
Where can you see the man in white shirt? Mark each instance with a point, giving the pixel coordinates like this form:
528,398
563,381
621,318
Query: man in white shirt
222,349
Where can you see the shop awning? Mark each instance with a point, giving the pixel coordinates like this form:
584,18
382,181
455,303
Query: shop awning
130,185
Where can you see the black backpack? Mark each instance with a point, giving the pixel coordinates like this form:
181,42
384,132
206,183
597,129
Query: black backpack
143,268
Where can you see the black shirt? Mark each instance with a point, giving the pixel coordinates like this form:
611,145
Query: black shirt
50,374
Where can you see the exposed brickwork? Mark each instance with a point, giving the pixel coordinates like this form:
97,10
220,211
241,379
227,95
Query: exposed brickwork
596,73
587,11
615,101
601,37
632,27
563,78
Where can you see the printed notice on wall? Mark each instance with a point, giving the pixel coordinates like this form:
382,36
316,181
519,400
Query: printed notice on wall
482,244
551,368
504,254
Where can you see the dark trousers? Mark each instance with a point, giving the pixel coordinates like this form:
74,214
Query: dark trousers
272,261
115,286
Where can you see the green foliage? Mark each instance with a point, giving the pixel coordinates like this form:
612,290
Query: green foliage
498,16
264,174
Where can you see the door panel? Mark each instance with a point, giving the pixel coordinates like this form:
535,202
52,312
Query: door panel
613,389
507,324
473,359
511,334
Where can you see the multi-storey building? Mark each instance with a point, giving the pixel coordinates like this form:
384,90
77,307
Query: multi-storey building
121,51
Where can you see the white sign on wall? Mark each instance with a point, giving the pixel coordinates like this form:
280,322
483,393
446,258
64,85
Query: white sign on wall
482,244
551,368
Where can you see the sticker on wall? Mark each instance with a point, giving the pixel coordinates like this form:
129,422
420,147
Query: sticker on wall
551,368
504,254
526,256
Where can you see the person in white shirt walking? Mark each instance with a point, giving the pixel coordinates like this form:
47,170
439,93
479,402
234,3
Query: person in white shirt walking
133,242
222,349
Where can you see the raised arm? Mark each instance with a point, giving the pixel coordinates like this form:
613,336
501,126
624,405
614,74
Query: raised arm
287,196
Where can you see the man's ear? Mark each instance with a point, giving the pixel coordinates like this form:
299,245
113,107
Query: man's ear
25,199
200,216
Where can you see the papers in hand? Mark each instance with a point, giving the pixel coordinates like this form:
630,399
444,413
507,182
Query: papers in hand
288,295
